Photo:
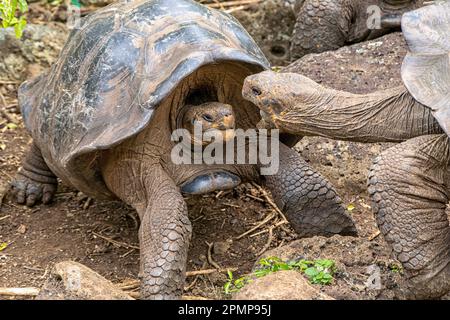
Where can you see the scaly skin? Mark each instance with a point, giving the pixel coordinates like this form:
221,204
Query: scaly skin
309,201
164,235
409,187
34,181
323,25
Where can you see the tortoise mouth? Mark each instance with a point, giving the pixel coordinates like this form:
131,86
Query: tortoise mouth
211,136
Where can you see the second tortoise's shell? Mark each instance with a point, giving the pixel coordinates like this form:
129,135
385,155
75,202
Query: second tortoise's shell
113,72
426,68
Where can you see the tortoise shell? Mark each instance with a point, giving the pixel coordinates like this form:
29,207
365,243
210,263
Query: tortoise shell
426,67
115,70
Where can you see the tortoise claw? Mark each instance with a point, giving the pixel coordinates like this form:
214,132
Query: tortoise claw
27,191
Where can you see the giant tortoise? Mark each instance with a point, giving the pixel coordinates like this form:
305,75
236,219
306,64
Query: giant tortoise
410,182
102,121
323,25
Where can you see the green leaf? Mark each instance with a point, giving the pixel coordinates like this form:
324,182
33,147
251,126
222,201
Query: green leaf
23,6
18,28
226,287
311,272
3,246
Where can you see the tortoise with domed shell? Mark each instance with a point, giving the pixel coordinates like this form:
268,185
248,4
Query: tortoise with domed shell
102,121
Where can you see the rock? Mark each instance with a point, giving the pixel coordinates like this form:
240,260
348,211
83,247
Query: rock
270,23
360,68
353,258
281,285
36,51
222,247
22,229
70,280
345,251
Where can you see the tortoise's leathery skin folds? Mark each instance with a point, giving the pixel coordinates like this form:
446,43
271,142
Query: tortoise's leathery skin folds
300,106
409,187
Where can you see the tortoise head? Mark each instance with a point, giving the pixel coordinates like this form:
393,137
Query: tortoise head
209,117
278,94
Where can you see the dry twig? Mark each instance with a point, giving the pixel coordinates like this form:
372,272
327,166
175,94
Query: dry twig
209,257
31,292
269,200
2,111
269,241
259,225
115,242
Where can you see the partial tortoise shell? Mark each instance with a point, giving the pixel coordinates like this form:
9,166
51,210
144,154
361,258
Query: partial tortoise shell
426,68
115,70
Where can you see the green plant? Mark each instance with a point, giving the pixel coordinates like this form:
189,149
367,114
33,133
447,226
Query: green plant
395,268
8,9
318,271
234,285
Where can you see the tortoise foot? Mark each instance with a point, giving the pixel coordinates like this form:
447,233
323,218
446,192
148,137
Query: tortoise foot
25,190
430,285
34,182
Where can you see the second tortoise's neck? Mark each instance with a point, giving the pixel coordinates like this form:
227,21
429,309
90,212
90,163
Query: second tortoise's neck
390,115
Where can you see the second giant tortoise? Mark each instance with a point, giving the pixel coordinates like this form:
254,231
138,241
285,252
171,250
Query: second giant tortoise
410,182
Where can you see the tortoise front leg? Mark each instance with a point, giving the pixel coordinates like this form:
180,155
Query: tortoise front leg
309,201
165,234
34,180
409,187
321,25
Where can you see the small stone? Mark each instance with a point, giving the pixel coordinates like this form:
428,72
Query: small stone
70,280
222,247
22,229
281,285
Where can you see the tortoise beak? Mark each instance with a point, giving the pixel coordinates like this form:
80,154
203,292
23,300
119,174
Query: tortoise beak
228,121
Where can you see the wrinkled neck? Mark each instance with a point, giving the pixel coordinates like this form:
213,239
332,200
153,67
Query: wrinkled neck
390,115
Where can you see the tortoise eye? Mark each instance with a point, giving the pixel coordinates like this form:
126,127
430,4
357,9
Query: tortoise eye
207,117
256,91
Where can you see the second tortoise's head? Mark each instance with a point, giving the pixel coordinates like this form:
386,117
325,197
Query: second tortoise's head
210,117
278,95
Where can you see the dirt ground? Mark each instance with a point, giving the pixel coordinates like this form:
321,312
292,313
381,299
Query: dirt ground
103,234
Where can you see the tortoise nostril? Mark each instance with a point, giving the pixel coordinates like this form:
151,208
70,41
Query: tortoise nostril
256,91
